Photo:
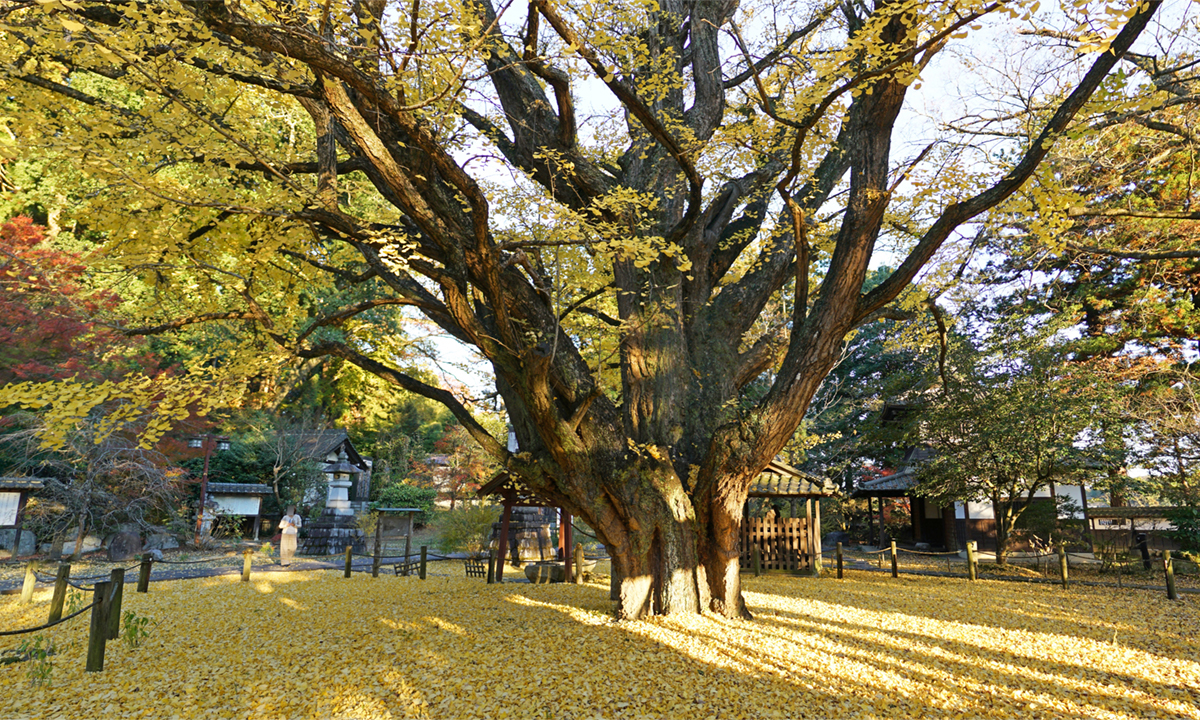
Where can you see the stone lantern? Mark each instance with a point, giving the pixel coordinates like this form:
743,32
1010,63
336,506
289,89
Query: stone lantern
337,528
338,501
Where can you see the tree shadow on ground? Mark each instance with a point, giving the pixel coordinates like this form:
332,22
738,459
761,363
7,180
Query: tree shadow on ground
317,646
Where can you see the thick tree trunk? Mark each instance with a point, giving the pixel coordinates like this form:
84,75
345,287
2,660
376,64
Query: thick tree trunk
1004,521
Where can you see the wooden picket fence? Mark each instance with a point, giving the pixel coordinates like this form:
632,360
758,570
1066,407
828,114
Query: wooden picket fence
783,544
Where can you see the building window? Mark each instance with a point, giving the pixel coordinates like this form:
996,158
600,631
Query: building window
222,444
195,442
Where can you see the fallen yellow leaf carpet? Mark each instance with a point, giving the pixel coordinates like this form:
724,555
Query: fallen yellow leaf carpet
315,645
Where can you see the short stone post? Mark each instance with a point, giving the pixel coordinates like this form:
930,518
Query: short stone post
972,565
839,561
756,560
117,593
424,553
98,629
60,592
349,549
30,582
246,565
143,585
895,567
579,563
1169,569
1062,566
491,576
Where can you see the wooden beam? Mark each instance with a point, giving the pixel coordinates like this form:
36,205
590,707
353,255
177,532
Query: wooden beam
916,515
569,545
817,532
882,529
21,498
503,558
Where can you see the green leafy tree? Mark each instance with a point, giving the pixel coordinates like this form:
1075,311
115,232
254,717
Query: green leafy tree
1009,419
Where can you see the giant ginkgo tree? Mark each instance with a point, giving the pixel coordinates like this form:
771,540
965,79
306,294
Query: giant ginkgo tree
687,193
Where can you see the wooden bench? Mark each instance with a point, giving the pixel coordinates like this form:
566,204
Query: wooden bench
475,568
407,567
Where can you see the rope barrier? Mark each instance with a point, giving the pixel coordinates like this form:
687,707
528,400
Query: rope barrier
922,552
191,562
584,532
7,633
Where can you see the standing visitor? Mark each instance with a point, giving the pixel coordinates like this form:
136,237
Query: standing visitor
290,524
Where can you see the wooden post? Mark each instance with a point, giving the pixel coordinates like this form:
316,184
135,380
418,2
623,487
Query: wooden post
578,563
60,592
895,568
570,544
839,560
972,568
1062,565
375,562
502,557
98,629
1169,569
491,576
563,547
22,498
756,559
349,548
808,537
116,594
30,582
408,539
818,561
424,551
882,529
246,565
870,520
144,573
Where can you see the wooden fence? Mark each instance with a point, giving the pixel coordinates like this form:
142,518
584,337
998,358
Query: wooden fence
784,543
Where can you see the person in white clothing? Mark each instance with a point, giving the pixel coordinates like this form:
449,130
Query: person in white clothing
290,524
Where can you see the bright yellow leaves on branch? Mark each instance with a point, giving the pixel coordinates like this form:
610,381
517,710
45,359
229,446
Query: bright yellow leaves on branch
313,645
147,405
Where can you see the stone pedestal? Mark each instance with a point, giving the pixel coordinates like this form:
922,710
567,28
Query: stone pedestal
528,535
330,534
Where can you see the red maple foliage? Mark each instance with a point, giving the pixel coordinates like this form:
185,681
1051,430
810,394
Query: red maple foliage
47,331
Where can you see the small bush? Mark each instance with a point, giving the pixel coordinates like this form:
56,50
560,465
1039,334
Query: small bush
466,528
75,601
133,629
1187,527
37,651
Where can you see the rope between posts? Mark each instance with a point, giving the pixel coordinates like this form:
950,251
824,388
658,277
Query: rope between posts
921,552
187,562
584,532
48,625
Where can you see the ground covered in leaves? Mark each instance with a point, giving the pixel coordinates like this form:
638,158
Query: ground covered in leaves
315,645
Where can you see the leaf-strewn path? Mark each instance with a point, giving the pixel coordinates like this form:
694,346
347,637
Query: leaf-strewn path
315,645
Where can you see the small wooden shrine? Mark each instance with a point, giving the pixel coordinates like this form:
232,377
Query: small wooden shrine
529,538
788,544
